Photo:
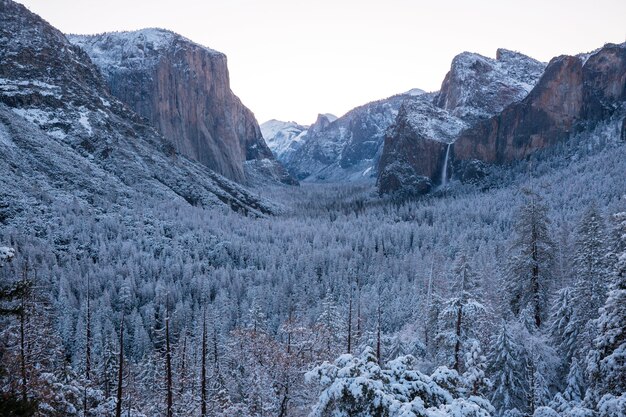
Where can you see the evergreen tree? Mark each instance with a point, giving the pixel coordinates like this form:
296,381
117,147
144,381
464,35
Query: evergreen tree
591,269
530,268
538,393
507,368
474,377
458,319
563,328
606,362
575,389
330,326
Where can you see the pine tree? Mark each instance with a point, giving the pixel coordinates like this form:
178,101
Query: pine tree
575,389
606,365
474,377
538,393
120,371
203,373
331,326
530,269
563,328
507,368
457,320
591,269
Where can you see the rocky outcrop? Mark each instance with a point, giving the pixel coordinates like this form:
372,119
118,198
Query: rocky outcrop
415,147
348,148
477,87
474,89
183,90
574,93
65,137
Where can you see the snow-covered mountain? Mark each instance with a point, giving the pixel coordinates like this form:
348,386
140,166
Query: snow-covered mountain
283,138
65,137
339,149
183,90
475,88
499,111
350,148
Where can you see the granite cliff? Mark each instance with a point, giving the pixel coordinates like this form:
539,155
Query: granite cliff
574,93
475,88
64,137
183,90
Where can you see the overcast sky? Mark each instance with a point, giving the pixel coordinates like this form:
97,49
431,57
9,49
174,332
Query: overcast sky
292,59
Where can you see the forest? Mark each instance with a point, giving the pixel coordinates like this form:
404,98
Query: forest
502,298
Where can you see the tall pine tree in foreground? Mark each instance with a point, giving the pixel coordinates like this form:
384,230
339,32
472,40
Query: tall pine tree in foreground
530,269
607,361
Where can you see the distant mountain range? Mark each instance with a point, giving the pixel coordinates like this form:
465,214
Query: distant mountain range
150,112
492,110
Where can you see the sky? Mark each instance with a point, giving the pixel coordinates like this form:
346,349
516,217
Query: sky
293,59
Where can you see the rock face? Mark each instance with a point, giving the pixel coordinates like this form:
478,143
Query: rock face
63,136
574,93
348,148
415,147
474,89
183,90
477,87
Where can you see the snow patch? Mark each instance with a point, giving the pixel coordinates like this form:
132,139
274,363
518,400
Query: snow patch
84,121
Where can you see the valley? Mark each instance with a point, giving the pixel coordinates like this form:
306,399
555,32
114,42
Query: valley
458,253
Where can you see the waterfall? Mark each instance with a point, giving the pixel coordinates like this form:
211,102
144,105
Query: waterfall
444,171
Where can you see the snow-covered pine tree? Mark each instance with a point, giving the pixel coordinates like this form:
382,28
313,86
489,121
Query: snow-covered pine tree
591,270
474,377
563,329
530,268
575,389
458,319
507,370
607,360
538,393
331,327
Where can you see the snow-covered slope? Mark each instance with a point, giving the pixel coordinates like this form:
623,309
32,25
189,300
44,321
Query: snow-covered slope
64,136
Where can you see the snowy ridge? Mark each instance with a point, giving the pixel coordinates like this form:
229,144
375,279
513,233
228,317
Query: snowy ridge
478,87
132,49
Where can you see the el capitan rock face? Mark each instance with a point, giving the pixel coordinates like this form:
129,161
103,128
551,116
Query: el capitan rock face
574,93
65,137
183,90
476,88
